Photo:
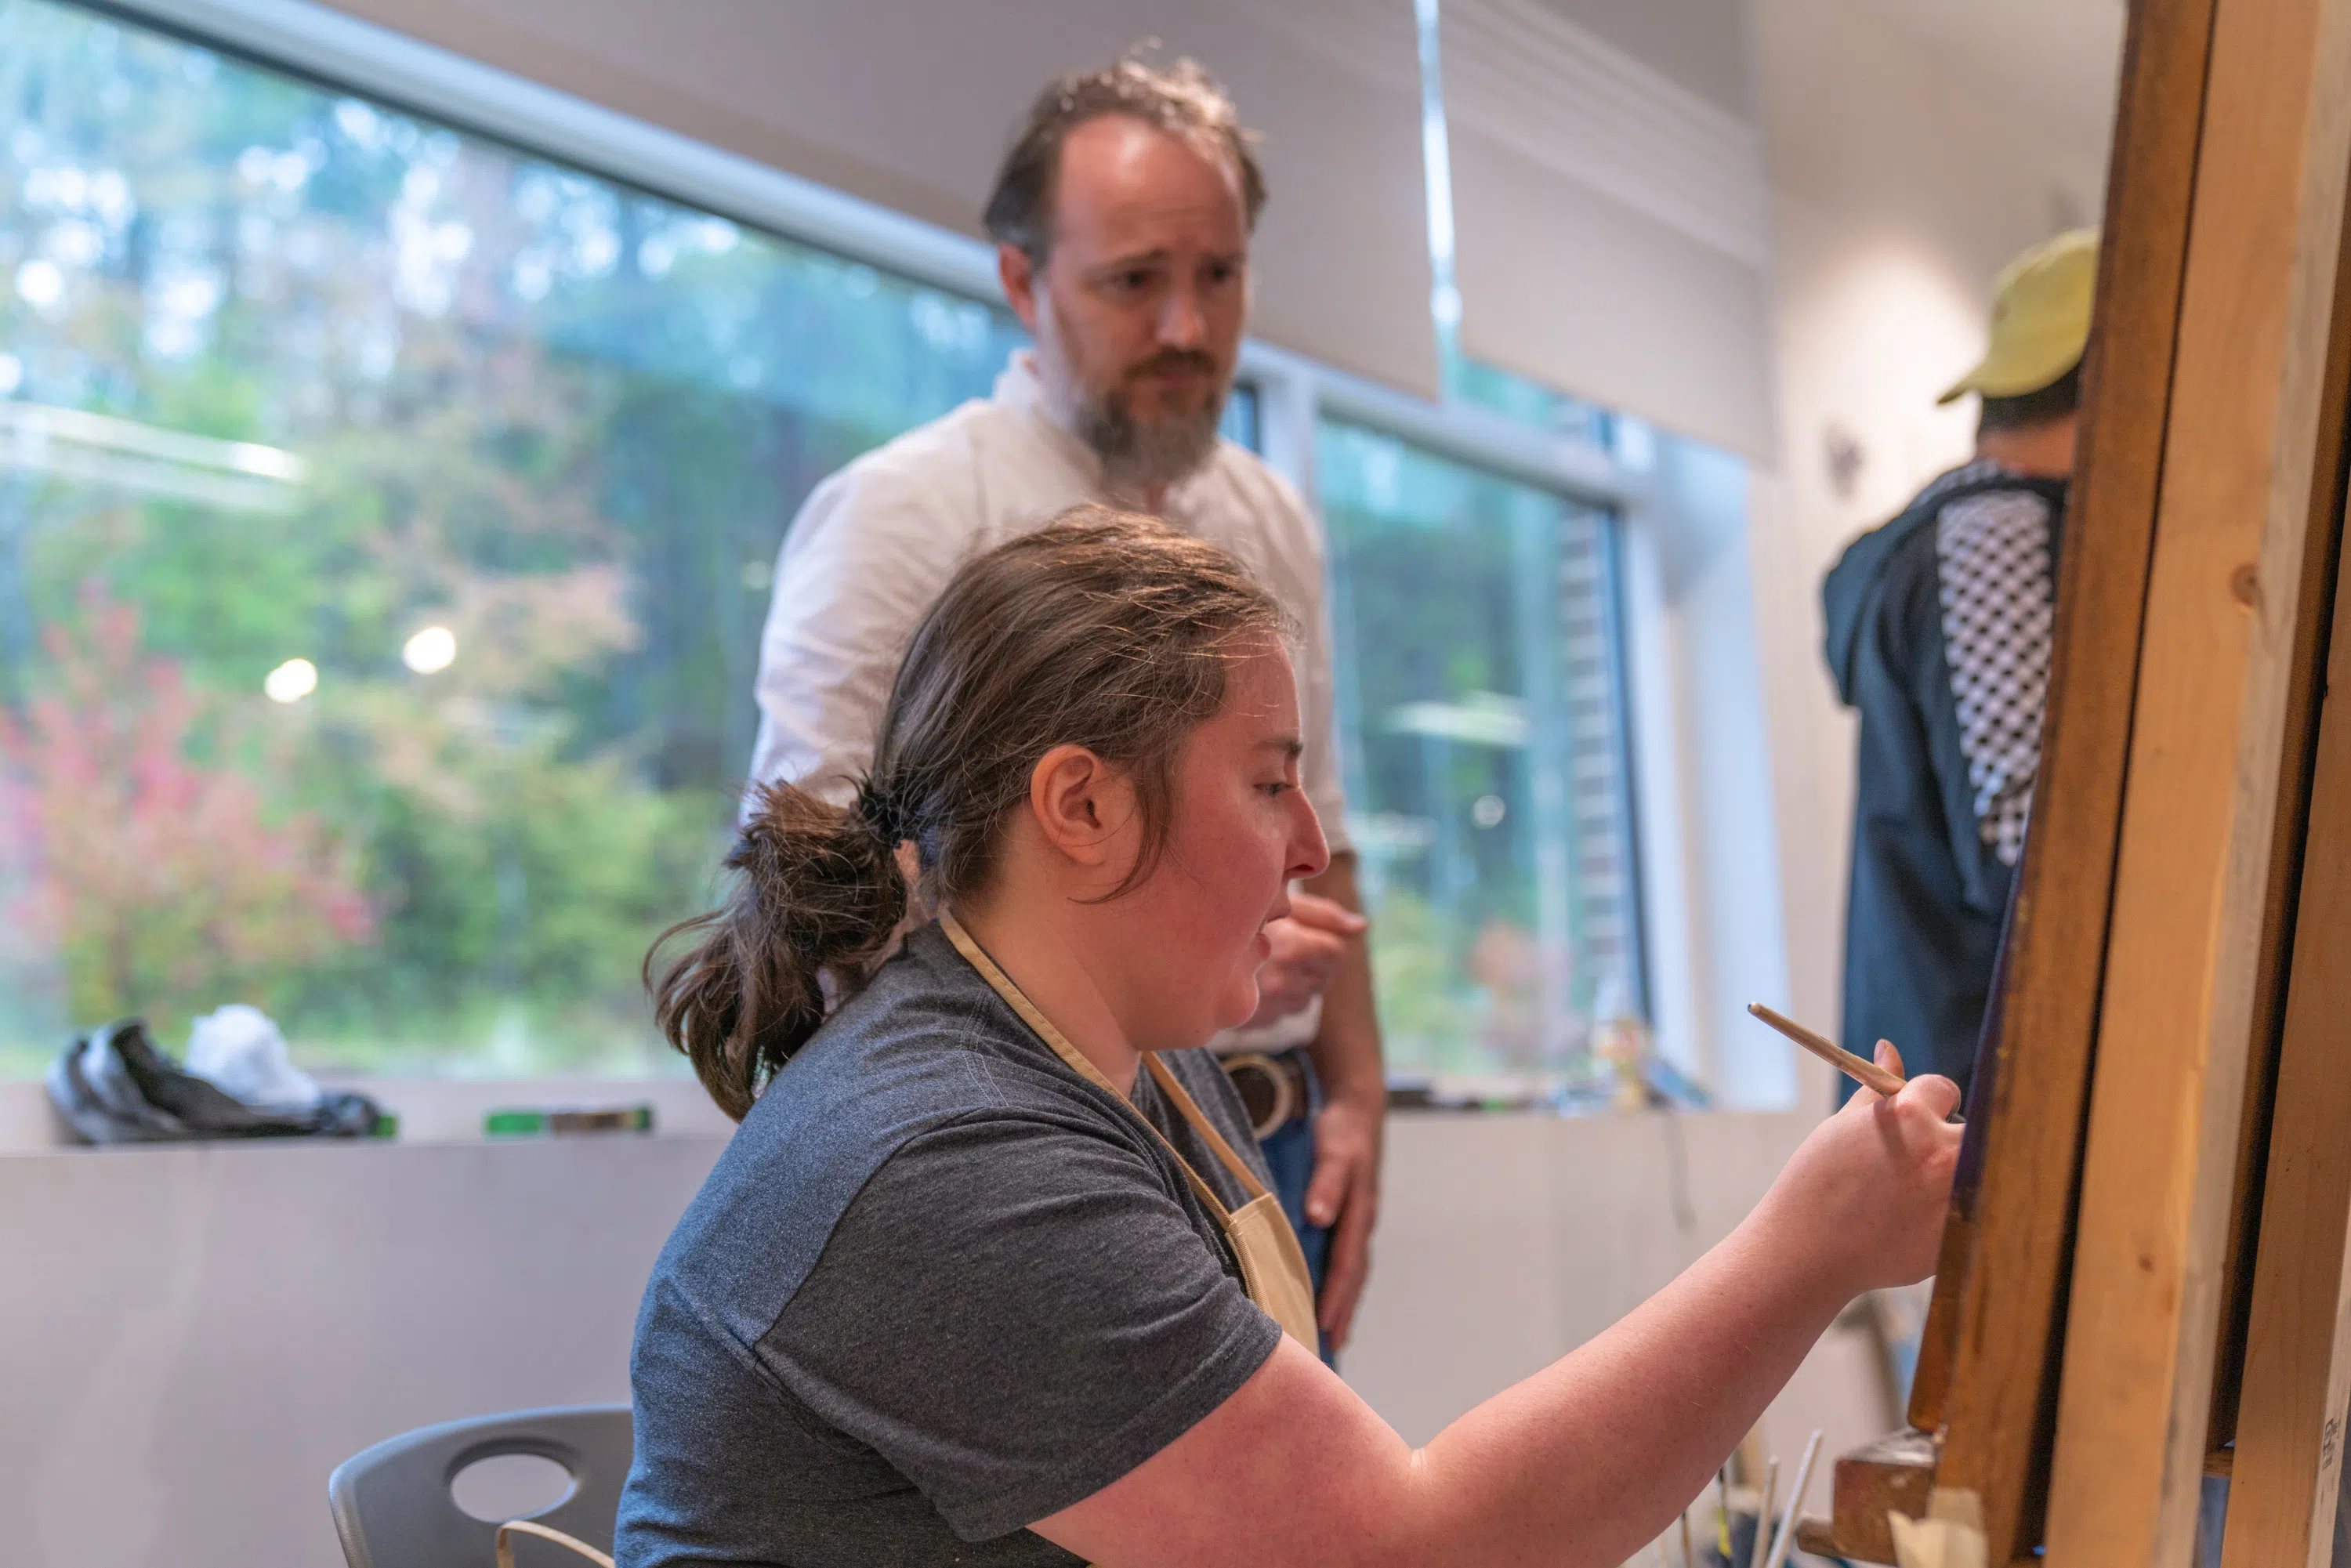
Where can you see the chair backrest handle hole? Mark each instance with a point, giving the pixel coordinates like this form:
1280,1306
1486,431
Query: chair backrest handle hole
510,1486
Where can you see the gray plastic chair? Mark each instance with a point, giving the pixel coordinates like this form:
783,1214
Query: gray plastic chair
393,1508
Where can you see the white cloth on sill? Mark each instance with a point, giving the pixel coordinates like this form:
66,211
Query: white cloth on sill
240,1050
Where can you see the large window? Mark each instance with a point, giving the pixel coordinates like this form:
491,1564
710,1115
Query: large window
387,517
385,525
1481,713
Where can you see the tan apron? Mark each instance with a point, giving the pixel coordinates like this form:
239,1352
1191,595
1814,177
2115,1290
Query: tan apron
1273,1270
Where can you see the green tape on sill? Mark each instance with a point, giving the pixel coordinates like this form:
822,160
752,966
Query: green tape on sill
518,1124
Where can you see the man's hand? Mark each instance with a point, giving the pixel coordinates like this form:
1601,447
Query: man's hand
1344,1193
1308,945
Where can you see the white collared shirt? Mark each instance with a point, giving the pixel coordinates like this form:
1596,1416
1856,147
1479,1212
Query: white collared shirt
875,543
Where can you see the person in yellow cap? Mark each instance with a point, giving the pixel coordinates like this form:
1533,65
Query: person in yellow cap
1938,635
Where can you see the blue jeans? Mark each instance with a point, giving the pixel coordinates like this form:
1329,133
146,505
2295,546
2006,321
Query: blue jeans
1290,1156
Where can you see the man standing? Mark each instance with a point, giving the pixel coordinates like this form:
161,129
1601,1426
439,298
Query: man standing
1121,217
1938,635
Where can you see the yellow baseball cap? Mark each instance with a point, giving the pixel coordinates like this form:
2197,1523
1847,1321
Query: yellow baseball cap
2040,318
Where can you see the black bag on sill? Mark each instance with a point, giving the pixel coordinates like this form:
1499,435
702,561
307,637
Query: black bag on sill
113,1086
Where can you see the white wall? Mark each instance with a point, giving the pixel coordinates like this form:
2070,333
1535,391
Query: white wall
1703,796
193,1338
1507,1241
1914,148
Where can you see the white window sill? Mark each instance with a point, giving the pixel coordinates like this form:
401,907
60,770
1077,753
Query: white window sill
452,1110
433,1110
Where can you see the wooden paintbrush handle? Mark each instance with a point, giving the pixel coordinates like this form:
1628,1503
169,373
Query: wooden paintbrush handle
1865,1071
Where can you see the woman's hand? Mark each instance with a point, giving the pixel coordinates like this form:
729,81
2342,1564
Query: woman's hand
1866,1194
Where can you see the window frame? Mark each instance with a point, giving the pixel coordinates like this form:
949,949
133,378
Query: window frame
1294,394
340,52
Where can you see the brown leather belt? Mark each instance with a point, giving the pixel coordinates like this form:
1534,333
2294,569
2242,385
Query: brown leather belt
1272,1088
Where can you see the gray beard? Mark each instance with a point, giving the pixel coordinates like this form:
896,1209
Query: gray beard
1138,456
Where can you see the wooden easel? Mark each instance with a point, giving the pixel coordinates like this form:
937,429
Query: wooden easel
2119,1310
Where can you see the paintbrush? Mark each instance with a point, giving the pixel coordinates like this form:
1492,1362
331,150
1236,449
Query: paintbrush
1756,1551
1787,1536
1868,1073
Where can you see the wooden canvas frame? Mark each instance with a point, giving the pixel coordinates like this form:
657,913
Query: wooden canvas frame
2082,1358
2296,1383
2248,510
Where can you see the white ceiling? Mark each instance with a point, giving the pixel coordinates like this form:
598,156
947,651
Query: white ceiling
2063,56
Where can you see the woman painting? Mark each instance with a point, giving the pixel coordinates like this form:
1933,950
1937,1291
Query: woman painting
988,1275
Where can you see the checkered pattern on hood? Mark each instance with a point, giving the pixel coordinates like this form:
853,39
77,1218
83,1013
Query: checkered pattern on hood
1993,558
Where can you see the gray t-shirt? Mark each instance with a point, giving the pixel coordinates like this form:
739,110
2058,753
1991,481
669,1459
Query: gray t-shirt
939,1287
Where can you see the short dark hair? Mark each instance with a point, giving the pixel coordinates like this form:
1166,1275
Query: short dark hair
2058,399
1104,630
1183,100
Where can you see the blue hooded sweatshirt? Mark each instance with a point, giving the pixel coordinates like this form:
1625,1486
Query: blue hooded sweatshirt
1929,886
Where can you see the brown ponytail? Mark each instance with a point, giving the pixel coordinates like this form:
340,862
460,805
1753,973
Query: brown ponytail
1104,630
817,890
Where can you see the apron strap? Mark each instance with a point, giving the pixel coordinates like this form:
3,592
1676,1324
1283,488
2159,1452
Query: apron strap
1273,1269
1189,1109
1076,1061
